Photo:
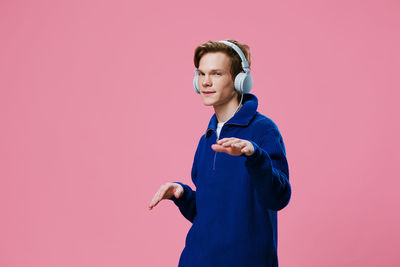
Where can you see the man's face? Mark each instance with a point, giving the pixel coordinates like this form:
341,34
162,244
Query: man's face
215,80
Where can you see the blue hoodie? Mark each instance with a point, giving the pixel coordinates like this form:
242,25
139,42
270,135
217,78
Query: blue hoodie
234,208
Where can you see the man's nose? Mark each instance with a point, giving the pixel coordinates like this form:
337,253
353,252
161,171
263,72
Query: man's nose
206,80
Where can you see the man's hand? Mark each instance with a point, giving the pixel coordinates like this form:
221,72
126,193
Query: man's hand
166,191
234,146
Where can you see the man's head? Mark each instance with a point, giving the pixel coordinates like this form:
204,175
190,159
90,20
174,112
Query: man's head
214,46
218,64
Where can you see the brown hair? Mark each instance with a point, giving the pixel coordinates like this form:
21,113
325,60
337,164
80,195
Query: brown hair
214,46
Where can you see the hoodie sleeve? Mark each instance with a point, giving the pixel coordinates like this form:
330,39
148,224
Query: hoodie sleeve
187,202
268,169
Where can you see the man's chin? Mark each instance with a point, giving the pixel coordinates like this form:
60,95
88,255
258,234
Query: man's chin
208,102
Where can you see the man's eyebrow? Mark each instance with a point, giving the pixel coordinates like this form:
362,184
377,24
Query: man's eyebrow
211,70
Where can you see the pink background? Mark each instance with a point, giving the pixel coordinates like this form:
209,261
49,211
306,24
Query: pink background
97,111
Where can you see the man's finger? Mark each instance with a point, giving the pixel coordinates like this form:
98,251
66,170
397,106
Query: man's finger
158,196
162,193
219,148
154,200
178,192
229,150
152,204
223,140
240,144
230,142
247,149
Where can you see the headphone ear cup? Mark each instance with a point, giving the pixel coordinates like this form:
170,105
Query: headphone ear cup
239,82
195,82
247,83
243,82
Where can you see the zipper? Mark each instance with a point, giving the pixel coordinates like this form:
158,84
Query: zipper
215,154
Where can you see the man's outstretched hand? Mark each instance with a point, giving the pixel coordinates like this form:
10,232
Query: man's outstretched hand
234,146
166,191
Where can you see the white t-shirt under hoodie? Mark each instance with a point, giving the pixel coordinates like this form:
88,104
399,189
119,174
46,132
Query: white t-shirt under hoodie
219,127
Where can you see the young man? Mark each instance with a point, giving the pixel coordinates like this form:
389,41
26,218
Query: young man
240,169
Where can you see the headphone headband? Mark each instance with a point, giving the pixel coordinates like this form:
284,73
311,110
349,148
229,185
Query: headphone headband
245,64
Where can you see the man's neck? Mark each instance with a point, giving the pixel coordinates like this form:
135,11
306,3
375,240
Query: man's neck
227,110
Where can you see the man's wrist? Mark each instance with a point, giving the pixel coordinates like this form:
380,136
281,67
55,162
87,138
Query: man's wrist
257,157
173,198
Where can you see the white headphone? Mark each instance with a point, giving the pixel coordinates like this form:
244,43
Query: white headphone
243,81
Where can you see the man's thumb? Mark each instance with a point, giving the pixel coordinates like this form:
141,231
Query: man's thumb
178,191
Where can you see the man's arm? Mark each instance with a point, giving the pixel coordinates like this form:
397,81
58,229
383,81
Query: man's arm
268,169
187,202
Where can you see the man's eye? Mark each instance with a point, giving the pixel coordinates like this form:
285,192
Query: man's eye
217,73
201,74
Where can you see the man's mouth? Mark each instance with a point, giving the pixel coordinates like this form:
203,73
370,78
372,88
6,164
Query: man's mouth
207,93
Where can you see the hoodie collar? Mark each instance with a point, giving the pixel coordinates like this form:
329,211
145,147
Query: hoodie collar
242,117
